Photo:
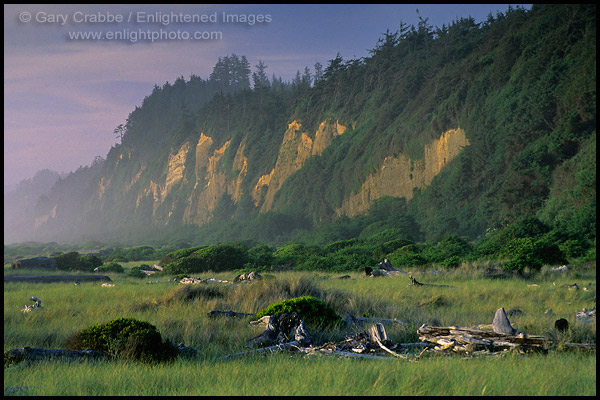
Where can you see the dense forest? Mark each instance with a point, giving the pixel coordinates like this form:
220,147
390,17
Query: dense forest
520,85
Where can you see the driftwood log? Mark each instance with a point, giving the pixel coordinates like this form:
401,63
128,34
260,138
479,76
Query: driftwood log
372,343
472,339
36,354
281,328
228,313
414,282
465,339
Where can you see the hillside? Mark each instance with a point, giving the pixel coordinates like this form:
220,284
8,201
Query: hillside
454,130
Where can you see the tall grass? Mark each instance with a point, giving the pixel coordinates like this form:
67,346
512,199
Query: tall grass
180,314
533,375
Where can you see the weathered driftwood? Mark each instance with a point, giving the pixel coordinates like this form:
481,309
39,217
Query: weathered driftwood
228,313
342,353
501,324
268,349
414,282
367,344
463,339
472,339
281,328
38,304
35,354
379,336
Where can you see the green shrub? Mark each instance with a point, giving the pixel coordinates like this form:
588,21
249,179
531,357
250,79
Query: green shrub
451,246
313,311
89,262
261,256
451,262
111,267
74,261
179,254
340,244
67,261
295,254
220,257
531,253
125,338
136,272
407,256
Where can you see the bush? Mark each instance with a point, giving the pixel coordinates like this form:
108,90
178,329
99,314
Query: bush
528,252
125,338
67,261
179,254
89,262
295,254
449,247
451,262
407,256
111,267
136,272
313,311
220,257
261,256
74,261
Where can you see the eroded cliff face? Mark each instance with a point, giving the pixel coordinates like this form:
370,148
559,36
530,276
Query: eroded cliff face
175,169
211,183
296,147
399,176
210,180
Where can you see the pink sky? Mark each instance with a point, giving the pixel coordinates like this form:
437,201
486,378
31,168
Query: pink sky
63,98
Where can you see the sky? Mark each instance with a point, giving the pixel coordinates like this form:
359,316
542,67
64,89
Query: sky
64,95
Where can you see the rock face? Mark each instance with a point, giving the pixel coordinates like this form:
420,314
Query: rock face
501,323
296,148
399,175
35,263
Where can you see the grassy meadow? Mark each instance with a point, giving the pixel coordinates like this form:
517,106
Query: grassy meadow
180,314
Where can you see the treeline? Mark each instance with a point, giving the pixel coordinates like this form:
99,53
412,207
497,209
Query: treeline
102,252
526,246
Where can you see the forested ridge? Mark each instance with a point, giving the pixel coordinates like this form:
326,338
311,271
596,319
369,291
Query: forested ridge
521,85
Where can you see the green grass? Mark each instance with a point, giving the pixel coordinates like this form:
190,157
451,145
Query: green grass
180,314
534,375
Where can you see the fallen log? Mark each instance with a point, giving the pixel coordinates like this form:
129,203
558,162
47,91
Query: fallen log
228,313
414,282
463,339
269,349
342,353
281,328
36,354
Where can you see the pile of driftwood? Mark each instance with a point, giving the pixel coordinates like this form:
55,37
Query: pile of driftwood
372,343
287,332
502,337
